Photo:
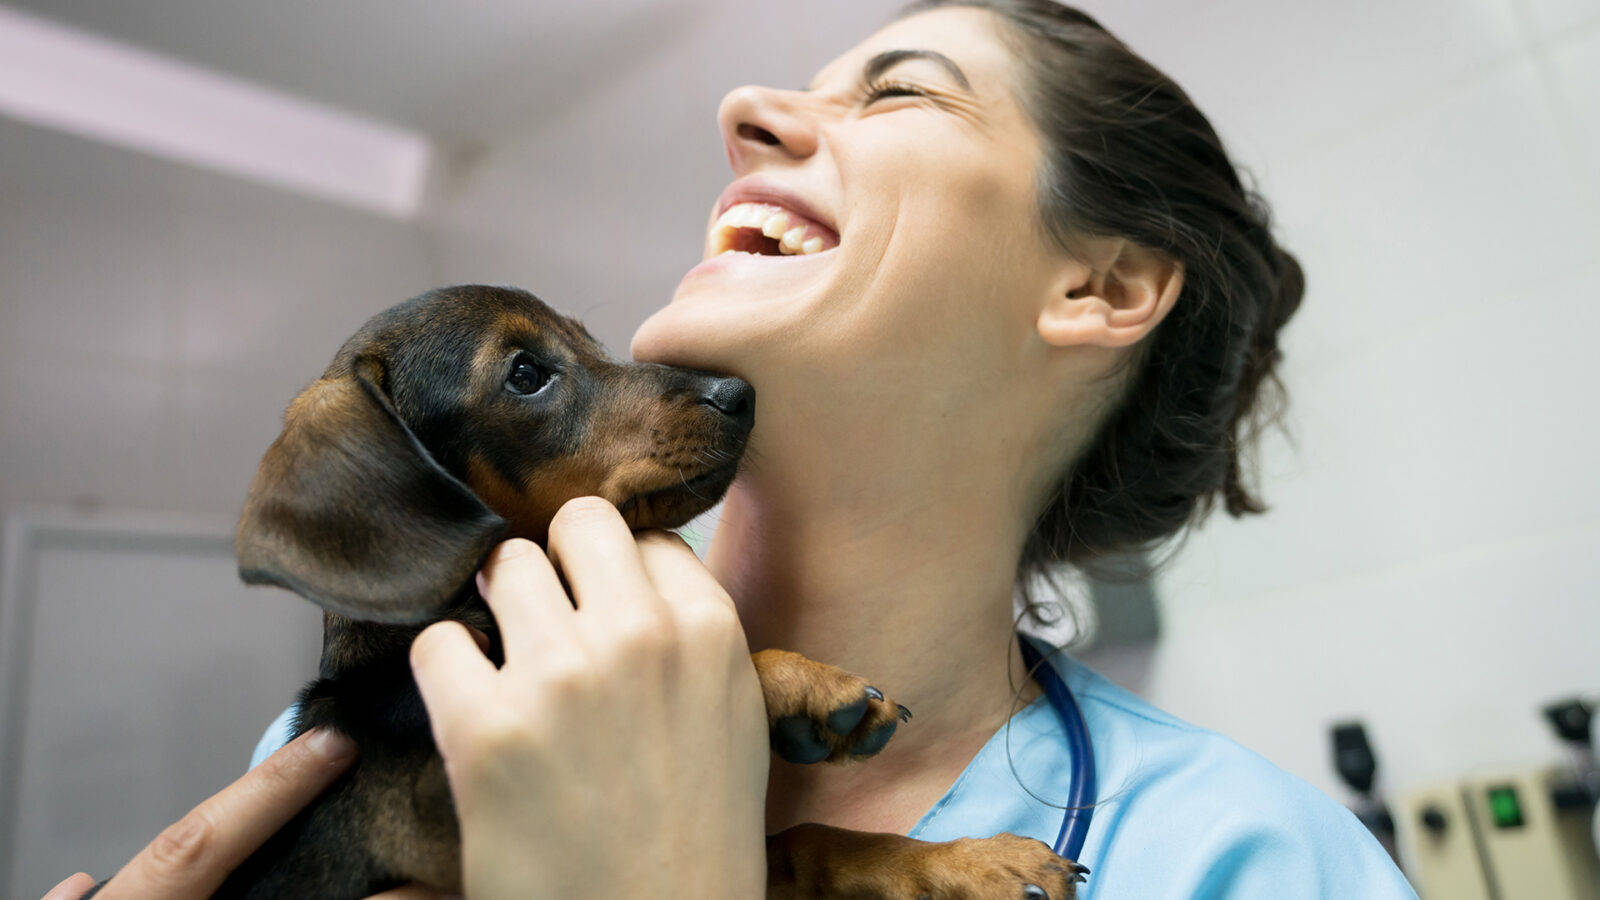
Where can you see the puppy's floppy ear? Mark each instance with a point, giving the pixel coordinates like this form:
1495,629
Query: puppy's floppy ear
349,510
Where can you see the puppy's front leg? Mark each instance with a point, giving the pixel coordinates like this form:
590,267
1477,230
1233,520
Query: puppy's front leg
817,861
819,713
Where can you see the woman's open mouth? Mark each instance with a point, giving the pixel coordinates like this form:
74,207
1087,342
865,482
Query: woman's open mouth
767,229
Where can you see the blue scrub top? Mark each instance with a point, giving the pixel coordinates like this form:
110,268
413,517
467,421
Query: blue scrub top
1183,812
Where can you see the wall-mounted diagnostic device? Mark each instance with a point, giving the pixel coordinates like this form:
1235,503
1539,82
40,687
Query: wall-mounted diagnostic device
1523,834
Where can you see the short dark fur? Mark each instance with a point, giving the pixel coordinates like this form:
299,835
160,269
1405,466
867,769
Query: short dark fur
399,470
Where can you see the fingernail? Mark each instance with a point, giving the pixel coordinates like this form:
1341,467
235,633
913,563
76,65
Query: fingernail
483,584
330,745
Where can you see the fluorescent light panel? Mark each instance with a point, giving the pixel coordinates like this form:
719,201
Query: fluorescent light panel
65,79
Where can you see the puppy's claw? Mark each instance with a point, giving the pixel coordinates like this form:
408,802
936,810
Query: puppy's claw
1034,892
905,714
873,693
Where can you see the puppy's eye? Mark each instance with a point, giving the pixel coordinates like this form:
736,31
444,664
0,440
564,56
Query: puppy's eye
527,376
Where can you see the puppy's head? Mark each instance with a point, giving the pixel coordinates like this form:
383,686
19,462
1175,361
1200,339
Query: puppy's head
461,417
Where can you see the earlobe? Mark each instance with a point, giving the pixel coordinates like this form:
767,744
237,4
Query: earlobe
1115,306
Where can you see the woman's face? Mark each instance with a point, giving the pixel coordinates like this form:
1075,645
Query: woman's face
917,282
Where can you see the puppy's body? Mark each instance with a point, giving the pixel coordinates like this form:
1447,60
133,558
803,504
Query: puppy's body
446,424
390,820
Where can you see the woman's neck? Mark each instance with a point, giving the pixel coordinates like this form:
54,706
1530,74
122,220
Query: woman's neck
913,592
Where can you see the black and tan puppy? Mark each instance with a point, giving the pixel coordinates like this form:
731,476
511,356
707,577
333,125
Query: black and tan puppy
445,425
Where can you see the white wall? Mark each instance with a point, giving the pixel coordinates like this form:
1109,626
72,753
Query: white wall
155,319
1429,563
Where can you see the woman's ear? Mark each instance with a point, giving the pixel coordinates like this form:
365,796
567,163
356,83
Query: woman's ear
1113,297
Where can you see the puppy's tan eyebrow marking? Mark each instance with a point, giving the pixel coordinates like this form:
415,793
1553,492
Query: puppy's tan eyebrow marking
486,362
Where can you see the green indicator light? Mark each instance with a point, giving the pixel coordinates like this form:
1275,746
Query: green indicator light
1504,807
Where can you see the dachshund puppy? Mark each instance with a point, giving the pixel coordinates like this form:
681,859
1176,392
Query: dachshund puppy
447,424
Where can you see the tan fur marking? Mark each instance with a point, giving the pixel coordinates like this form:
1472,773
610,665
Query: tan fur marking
530,507
815,861
413,830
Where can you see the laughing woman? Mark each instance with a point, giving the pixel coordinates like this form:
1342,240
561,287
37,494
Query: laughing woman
1010,308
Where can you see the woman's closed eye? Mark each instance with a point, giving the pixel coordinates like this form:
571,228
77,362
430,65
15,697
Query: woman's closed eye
873,91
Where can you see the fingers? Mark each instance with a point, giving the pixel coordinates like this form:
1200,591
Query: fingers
594,548
451,673
678,575
526,597
71,888
193,856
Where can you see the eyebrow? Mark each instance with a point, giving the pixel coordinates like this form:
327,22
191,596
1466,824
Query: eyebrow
888,59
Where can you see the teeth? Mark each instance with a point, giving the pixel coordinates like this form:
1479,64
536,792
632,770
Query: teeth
772,221
791,240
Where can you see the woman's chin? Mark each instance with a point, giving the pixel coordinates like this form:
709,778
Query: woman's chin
693,334
722,314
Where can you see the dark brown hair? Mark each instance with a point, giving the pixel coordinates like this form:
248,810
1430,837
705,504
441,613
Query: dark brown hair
1127,154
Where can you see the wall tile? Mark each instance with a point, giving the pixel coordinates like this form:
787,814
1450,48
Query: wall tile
1450,210
1278,78
1466,428
1576,65
74,431
276,283
1552,18
1447,660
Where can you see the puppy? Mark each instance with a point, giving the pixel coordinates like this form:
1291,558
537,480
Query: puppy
445,425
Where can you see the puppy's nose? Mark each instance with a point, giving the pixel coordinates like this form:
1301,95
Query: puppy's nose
733,397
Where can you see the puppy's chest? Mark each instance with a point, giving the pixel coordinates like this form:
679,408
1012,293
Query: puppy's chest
366,688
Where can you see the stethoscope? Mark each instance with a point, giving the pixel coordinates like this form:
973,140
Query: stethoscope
1080,779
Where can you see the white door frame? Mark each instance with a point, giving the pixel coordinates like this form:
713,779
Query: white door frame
26,531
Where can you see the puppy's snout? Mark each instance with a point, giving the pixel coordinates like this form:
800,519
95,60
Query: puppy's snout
733,397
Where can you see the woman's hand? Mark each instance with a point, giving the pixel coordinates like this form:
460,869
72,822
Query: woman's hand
621,750
193,856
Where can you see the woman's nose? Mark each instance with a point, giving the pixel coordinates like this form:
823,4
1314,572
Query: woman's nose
765,125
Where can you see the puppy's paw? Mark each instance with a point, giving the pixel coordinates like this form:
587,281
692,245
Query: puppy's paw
819,713
1003,866
814,861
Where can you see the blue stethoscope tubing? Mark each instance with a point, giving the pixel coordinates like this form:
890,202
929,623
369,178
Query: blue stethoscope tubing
1081,782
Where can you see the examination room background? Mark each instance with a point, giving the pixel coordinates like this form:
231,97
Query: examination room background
1430,565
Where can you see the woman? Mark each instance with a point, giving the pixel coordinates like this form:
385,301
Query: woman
1035,333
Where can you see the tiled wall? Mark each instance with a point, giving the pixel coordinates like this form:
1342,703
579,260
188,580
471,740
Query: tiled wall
1430,562
156,319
